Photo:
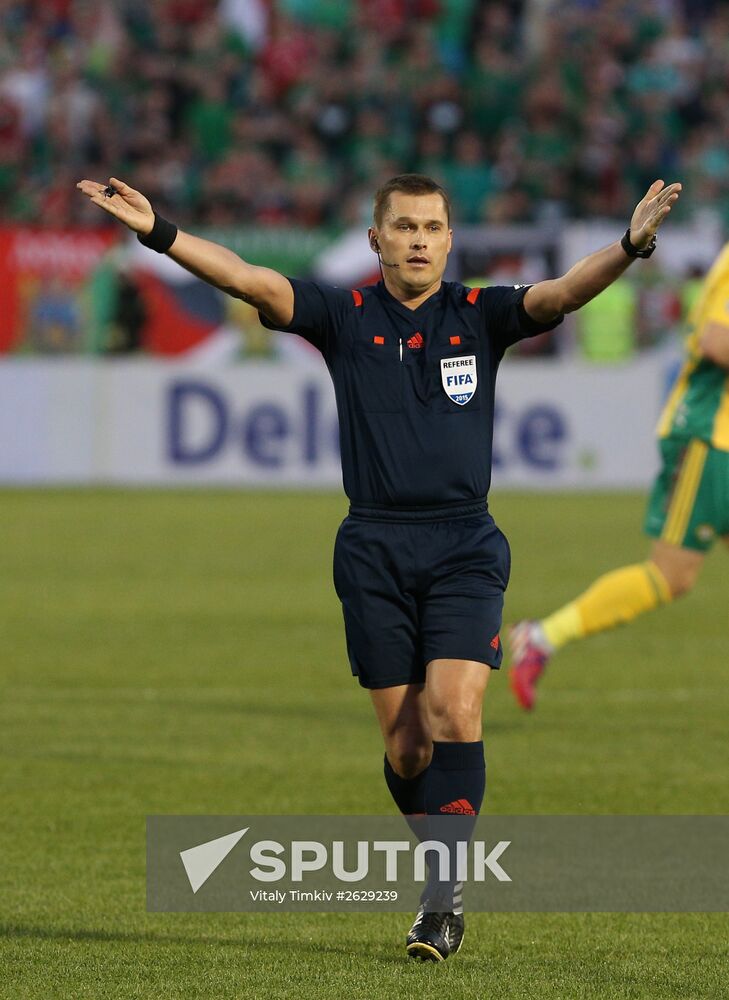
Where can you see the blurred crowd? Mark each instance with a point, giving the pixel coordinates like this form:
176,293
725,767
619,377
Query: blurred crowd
291,112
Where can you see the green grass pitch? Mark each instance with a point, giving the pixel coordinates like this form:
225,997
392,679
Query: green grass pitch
182,652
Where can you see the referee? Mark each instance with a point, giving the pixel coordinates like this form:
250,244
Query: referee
419,564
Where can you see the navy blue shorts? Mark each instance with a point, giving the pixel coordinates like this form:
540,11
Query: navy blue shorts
413,591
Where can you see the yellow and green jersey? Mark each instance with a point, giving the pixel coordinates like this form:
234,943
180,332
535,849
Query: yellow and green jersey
698,405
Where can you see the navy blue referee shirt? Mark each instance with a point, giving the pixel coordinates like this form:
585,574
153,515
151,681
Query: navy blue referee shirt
414,387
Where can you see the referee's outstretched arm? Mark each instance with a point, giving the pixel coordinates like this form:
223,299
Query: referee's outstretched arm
589,276
267,290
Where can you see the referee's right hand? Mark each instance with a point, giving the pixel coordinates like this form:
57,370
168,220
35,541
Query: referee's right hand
127,205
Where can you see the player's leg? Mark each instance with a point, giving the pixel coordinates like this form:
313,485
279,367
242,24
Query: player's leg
679,566
616,598
457,773
381,623
380,617
403,717
460,621
456,778
681,513
454,693
455,784
402,714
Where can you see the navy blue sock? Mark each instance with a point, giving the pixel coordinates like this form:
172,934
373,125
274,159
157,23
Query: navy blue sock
455,786
456,779
408,793
409,796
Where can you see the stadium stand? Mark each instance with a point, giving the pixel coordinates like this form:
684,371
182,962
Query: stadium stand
290,112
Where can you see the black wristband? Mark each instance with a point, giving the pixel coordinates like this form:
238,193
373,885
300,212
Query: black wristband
161,236
634,251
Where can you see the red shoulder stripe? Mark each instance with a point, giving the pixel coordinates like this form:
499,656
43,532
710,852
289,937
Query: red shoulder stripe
357,296
473,295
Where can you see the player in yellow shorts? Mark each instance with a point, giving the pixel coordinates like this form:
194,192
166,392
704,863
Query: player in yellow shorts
687,510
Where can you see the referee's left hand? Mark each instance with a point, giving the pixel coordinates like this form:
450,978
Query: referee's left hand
650,212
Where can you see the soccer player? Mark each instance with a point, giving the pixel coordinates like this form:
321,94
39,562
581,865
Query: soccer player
419,565
688,505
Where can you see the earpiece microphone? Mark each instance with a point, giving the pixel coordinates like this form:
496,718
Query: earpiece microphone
376,247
